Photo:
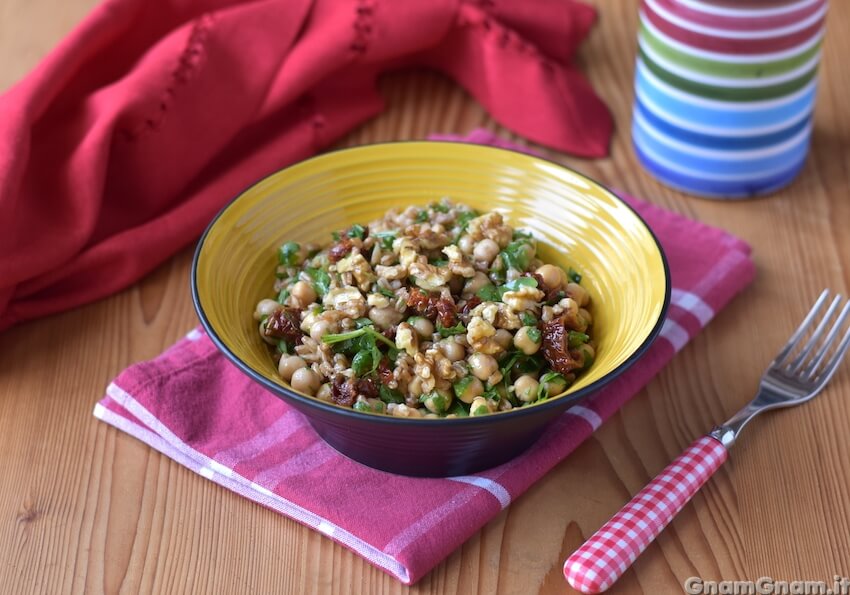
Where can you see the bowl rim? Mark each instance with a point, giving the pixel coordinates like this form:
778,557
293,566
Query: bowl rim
283,392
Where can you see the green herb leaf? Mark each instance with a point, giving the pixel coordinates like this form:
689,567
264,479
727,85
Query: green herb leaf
491,394
457,329
335,235
390,395
361,406
490,293
522,234
356,231
422,216
481,410
287,254
463,220
387,238
534,334
438,402
528,319
545,380
574,276
575,338
439,207
439,262
519,283
321,280
460,409
361,364
386,292
517,255
282,296
332,338
361,322
284,347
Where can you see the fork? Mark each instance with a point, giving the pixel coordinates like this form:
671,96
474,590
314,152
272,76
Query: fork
798,373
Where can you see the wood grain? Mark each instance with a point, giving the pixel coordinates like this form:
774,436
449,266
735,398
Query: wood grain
84,508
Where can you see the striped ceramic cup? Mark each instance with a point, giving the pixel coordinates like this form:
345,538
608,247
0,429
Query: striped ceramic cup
724,92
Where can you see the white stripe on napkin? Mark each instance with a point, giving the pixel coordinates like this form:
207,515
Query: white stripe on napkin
494,487
692,303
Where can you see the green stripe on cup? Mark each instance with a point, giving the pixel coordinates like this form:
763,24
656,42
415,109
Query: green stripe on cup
728,93
726,69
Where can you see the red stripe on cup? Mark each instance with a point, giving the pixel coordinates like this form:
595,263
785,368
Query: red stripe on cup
745,22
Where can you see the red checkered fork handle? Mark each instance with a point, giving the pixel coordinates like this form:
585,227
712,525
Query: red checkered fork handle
604,557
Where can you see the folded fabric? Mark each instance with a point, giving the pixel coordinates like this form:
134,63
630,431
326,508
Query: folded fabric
126,140
195,407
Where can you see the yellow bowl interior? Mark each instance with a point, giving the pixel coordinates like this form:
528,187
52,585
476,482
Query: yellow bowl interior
577,223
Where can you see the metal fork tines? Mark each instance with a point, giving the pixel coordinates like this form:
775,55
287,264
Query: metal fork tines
803,366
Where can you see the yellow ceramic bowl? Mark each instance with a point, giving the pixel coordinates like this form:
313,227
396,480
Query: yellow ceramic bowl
577,223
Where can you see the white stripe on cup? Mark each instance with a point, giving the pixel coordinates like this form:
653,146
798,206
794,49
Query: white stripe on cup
701,6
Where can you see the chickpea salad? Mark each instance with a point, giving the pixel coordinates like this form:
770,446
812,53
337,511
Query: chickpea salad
432,312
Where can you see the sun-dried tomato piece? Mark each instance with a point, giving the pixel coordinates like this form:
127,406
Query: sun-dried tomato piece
446,312
340,250
385,372
284,324
390,332
434,308
343,391
554,347
367,388
470,304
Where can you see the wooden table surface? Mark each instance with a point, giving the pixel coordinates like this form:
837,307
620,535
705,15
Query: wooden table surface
85,508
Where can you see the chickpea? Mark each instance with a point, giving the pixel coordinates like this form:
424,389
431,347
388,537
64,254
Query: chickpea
319,330
503,338
586,316
288,365
477,282
385,317
438,401
466,244
578,293
525,388
587,353
453,350
474,388
267,339
265,308
483,365
304,293
305,380
552,276
485,251
423,327
479,406
414,387
324,392
524,341
555,386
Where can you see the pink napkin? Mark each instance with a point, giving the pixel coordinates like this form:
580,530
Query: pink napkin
195,407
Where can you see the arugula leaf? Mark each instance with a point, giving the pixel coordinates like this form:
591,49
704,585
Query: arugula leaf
390,395
361,363
356,231
534,334
517,255
422,216
490,293
457,329
549,377
387,292
528,319
361,322
439,207
287,254
519,283
575,338
463,220
387,238
330,339
321,280
460,409
439,402
491,394
574,276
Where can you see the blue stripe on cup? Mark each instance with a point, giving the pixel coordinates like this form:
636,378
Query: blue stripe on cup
720,188
720,118
720,142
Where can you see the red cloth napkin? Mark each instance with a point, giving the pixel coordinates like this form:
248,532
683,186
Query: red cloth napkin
195,407
123,143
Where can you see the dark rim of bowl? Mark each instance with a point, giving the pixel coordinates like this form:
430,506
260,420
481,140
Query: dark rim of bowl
314,403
